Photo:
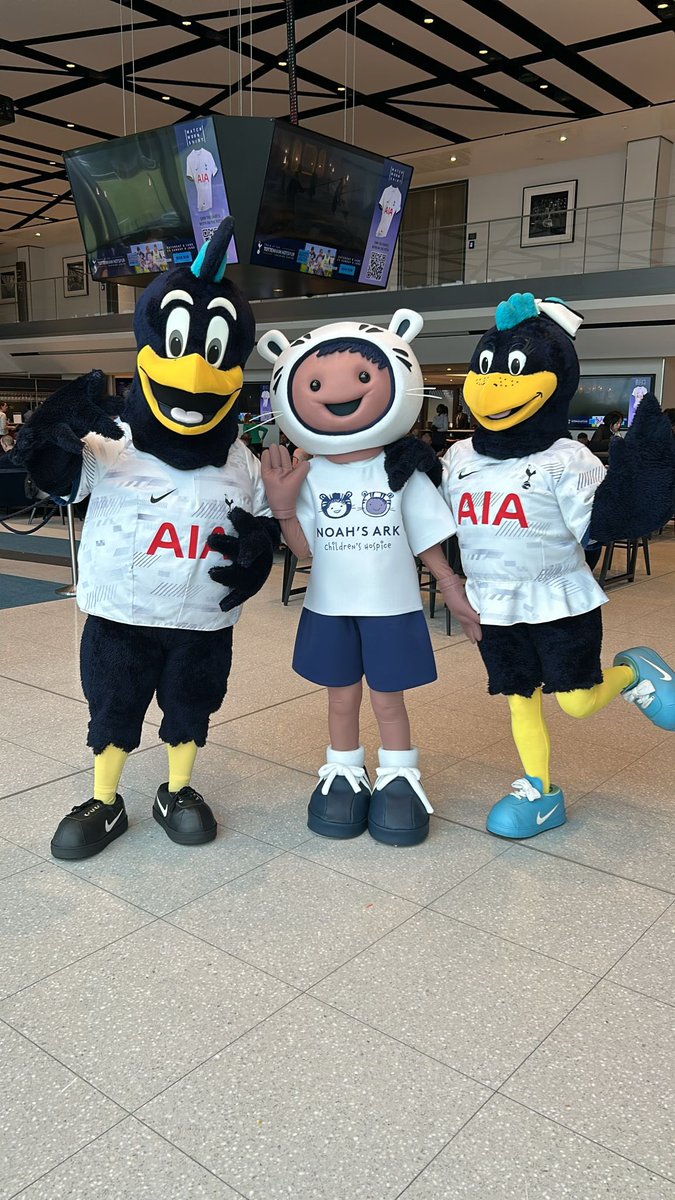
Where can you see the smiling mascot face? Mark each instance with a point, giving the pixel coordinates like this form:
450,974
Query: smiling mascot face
194,331
523,374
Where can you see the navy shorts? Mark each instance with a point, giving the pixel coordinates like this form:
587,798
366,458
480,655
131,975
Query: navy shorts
394,653
561,655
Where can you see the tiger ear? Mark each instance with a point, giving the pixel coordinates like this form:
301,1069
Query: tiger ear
406,324
272,344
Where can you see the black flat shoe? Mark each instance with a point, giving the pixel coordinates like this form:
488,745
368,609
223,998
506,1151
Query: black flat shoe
185,816
89,828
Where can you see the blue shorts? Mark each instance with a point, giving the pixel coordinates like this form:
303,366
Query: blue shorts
394,653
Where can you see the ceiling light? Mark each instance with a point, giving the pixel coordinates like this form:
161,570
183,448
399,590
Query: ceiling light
70,65
186,22
166,97
70,125
428,20
563,137
341,89
543,87
38,235
483,51
663,6
453,158
52,163
282,62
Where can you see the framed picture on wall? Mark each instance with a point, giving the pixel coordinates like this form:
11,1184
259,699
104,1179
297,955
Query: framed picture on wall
75,277
7,285
548,213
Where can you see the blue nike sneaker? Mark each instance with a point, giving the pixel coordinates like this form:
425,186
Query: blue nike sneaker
527,810
654,689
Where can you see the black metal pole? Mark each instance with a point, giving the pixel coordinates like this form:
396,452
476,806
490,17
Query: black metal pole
292,76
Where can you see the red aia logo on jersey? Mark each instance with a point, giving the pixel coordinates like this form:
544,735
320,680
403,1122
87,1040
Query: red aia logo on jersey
510,509
167,538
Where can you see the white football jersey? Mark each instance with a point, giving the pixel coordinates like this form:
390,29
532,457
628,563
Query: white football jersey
201,168
520,524
390,203
364,537
143,557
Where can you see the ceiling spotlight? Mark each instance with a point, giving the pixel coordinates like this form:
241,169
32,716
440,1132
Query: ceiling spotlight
282,62
38,235
428,20
186,22
483,51
663,6
70,125
341,89
52,163
563,137
166,97
70,65
543,87
453,158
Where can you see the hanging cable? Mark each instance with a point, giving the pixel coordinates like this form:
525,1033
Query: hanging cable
241,93
133,67
124,94
292,76
354,79
250,50
344,107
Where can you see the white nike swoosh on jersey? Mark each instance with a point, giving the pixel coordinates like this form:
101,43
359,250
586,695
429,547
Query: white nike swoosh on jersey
662,673
540,819
161,807
109,825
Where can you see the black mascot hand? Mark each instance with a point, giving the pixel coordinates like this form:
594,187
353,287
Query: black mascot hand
251,554
636,497
407,455
49,445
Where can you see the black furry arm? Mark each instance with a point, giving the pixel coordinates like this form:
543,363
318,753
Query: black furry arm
407,455
251,555
49,445
637,495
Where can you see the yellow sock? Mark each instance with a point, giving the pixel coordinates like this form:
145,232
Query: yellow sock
530,733
107,771
585,701
181,761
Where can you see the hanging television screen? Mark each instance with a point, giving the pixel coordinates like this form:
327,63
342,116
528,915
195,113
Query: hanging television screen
149,201
598,395
328,209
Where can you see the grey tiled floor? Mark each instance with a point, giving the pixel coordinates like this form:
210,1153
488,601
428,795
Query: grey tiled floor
281,1016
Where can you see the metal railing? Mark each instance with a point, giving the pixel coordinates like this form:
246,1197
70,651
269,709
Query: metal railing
605,237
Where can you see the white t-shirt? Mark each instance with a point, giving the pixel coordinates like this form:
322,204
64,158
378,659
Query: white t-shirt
201,168
143,556
520,523
390,203
364,537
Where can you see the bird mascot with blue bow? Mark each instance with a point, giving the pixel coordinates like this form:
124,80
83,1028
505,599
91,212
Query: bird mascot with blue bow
527,500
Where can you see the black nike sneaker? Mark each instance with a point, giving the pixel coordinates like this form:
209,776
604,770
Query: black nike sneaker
185,816
89,828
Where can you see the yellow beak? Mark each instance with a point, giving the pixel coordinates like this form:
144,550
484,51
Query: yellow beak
499,401
187,394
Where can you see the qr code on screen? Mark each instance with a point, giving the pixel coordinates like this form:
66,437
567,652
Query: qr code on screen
208,233
377,265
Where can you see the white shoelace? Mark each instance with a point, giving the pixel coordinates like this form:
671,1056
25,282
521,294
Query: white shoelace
642,694
387,775
524,790
355,776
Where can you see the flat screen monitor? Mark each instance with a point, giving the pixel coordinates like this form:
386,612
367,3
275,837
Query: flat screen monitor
149,201
328,209
598,395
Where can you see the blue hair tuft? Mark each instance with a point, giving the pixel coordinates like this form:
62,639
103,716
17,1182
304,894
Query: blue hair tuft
518,308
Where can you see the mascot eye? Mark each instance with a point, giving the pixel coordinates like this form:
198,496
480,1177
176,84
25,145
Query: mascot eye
485,361
315,385
177,329
517,362
364,376
217,335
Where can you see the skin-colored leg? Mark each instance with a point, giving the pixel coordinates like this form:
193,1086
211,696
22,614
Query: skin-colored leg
392,719
181,761
107,773
583,702
530,733
344,704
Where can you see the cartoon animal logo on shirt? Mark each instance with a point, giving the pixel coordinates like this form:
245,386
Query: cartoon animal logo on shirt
376,504
338,504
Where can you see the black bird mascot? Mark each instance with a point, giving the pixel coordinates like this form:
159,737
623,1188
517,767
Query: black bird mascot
527,499
177,536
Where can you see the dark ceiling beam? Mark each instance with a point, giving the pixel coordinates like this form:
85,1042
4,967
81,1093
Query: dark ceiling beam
502,14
